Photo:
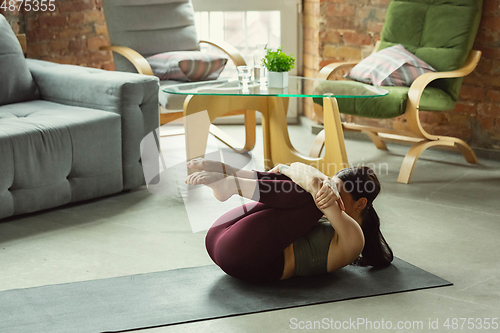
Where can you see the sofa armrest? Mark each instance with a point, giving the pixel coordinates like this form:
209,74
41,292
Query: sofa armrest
90,87
133,96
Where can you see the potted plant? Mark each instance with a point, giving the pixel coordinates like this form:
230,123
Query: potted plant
277,64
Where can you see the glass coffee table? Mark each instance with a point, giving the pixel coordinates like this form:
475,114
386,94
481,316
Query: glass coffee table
221,97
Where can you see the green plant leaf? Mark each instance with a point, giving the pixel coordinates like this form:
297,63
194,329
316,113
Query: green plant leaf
278,61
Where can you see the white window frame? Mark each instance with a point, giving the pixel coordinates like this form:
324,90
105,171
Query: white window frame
291,28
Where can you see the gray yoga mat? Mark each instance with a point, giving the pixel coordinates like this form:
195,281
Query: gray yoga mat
189,294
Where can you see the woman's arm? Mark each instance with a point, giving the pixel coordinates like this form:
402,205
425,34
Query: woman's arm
311,179
348,238
348,234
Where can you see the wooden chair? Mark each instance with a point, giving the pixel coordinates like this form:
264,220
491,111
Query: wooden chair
440,34
141,28
22,40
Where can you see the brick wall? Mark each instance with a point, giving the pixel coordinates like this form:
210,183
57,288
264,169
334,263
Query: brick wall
72,34
312,19
15,18
341,30
334,30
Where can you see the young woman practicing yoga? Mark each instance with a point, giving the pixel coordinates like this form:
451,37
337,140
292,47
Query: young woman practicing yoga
304,222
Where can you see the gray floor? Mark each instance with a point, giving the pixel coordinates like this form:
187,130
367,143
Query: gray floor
447,221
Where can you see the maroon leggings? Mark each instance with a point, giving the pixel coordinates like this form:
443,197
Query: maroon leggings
250,246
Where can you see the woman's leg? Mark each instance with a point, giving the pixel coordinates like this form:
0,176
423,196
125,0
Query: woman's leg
275,190
202,164
250,246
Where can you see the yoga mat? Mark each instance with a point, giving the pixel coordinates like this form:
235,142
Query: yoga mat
189,294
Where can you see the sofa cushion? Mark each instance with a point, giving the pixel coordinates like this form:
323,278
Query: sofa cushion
388,106
187,65
54,154
134,97
16,82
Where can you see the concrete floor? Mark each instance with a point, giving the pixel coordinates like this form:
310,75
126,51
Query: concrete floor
447,221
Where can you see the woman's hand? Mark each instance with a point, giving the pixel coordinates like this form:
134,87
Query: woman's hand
327,196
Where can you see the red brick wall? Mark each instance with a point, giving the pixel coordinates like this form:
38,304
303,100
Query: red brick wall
72,34
15,18
341,30
311,57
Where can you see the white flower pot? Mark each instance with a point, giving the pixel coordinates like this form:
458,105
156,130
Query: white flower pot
277,79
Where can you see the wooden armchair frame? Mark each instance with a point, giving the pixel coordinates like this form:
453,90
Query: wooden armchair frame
24,44
143,67
417,136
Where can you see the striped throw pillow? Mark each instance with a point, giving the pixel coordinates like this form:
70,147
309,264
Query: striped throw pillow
393,66
187,65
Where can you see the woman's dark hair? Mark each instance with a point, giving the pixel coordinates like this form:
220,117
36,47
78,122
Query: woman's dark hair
361,182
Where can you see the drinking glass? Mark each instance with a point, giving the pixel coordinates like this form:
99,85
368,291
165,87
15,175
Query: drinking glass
244,76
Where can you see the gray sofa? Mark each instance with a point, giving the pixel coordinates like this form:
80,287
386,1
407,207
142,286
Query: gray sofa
68,133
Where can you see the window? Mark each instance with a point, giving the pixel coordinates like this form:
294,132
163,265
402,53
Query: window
242,29
245,24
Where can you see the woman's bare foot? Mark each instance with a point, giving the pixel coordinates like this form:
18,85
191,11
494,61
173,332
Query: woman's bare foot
222,187
208,165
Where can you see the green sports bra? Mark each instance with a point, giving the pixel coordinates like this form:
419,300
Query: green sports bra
311,250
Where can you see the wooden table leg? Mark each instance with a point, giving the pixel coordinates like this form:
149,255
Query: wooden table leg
335,157
250,127
197,127
282,151
277,145
266,138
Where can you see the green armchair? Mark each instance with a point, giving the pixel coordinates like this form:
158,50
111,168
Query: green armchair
441,33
